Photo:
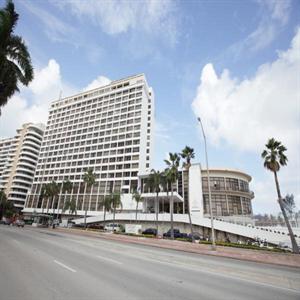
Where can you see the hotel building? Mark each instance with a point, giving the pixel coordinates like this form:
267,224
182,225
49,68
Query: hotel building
18,159
109,130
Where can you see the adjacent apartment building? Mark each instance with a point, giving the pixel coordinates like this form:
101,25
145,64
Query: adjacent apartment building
18,160
109,130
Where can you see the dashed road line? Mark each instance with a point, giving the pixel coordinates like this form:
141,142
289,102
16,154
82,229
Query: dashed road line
64,266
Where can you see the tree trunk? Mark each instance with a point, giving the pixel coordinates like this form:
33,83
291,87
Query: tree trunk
292,237
85,213
156,212
171,213
114,216
104,219
136,209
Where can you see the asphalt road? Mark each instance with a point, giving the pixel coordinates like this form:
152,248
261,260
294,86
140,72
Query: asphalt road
46,264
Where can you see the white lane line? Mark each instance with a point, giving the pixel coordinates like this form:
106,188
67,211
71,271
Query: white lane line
226,276
64,266
110,259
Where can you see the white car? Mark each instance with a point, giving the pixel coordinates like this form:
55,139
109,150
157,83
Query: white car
112,227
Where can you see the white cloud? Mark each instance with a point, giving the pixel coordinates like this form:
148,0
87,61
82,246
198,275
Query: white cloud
59,30
274,16
56,29
116,17
244,114
98,82
32,103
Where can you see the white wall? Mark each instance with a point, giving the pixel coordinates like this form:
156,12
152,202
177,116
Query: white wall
195,190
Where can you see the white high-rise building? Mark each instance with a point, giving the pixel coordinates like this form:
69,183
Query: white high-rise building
18,159
107,129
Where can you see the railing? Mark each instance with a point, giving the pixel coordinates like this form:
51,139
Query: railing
255,227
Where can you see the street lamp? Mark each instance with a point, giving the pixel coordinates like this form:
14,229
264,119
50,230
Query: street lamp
213,246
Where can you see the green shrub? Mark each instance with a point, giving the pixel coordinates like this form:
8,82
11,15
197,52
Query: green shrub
244,246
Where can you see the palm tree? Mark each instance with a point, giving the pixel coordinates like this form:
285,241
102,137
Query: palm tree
187,154
42,196
15,62
71,206
154,183
172,176
115,203
106,207
274,157
3,200
52,191
67,186
89,178
138,198
7,208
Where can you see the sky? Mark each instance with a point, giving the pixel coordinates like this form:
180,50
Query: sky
236,64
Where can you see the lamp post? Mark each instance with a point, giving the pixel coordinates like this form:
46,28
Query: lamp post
213,246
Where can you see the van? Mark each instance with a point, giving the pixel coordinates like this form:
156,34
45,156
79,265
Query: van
112,227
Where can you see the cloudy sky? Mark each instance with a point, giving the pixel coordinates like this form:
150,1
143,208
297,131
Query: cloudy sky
234,63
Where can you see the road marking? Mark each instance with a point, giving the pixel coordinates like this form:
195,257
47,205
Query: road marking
109,259
64,266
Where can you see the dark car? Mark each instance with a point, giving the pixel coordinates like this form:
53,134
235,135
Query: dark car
150,231
197,236
177,234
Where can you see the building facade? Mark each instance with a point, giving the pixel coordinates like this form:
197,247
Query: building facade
18,160
109,130
230,194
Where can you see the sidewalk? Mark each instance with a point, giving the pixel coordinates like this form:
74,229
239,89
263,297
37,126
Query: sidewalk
283,259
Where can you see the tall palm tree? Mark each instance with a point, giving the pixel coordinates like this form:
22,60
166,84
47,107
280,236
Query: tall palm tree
52,190
67,186
115,203
89,178
274,157
138,199
172,176
187,154
15,62
154,183
71,206
106,206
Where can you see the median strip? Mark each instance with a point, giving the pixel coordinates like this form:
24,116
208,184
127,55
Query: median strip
64,266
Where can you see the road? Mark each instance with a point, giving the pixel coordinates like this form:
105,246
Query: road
47,264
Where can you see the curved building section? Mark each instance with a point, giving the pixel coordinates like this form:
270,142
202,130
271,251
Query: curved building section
18,159
230,194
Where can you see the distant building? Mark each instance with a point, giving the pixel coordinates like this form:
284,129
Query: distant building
109,130
18,159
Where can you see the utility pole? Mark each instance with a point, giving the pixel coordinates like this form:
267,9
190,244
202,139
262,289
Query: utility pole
213,246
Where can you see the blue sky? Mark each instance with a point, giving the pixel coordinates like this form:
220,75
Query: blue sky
235,63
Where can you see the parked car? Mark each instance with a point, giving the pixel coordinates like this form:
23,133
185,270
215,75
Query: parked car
197,236
150,231
19,223
112,227
5,222
177,234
